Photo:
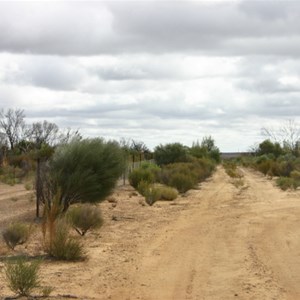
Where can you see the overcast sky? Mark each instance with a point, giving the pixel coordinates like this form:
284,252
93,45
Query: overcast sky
158,72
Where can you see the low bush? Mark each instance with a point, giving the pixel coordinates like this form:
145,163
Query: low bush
62,246
285,183
264,167
10,175
22,276
147,172
238,182
16,234
143,187
152,195
46,291
295,175
182,182
185,176
167,193
84,218
155,192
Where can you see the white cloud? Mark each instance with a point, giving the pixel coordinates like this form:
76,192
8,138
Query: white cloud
153,71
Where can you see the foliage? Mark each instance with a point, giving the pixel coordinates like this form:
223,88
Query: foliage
268,147
84,218
286,183
16,234
147,172
22,276
149,191
143,187
155,192
167,193
182,182
232,171
295,175
86,170
170,153
10,175
207,149
185,176
152,194
62,245
287,134
47,290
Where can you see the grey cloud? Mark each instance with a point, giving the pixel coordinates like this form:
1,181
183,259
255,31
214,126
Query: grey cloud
131,27
45,71
55,75
139,71
266,85
265,75
268,9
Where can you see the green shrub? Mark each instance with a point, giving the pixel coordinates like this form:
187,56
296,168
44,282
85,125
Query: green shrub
16,234
170,153
46,291
152,194
182,182
167,193
85,170
22,276
238,182
143,187
295,175
28,186
233,172
139,175
84,217
285,183
184,176
147,172
264,166
155,192
149,191
62,246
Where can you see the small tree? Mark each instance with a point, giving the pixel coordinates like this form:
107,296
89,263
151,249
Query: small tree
288,135
85,171
170,153
12,124
267,147
207,149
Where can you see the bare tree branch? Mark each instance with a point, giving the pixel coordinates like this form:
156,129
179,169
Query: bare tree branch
12,124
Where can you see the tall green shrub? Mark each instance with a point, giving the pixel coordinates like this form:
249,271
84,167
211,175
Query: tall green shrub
86,170
170,153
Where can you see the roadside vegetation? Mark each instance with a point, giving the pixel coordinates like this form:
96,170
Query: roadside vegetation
70,175
278,156
176,169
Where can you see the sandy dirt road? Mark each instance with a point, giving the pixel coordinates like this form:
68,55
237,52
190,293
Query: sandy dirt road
216,242
229,244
